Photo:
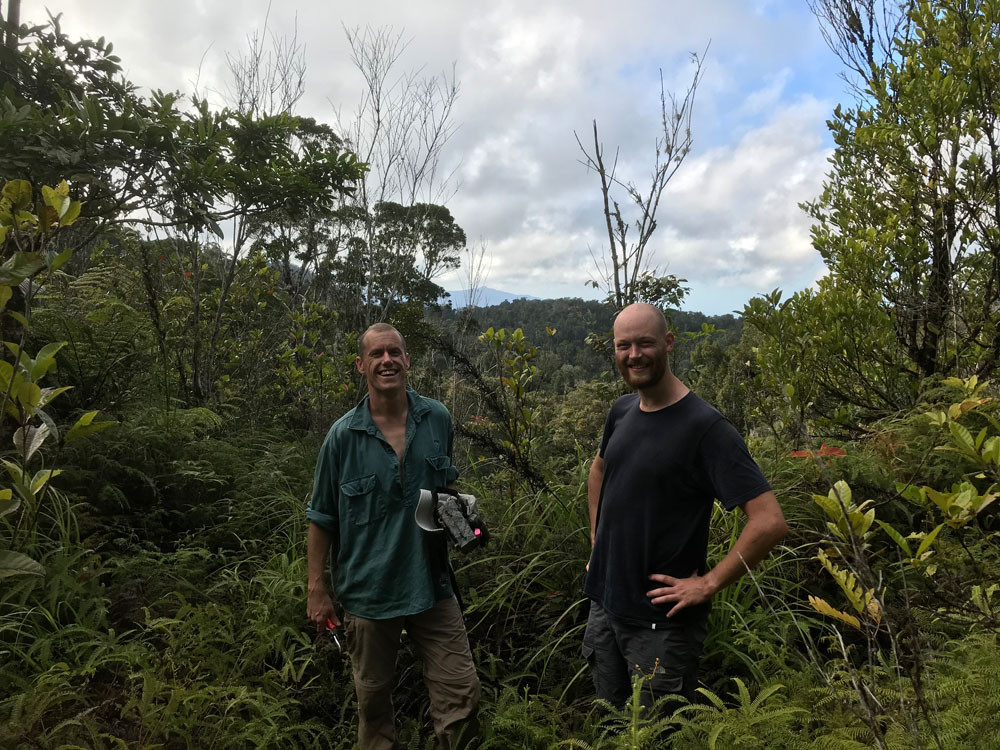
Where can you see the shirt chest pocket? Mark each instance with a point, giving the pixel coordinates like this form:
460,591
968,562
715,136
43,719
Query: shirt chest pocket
363,500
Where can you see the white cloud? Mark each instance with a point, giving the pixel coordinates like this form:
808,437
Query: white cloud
734,210
534,71
768,97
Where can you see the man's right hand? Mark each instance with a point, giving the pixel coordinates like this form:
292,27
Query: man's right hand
319,609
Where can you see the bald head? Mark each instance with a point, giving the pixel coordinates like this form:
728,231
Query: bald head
640,314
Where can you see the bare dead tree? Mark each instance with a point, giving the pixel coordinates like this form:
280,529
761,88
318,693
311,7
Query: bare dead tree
400,128
476,268
627,270
402,123
269,78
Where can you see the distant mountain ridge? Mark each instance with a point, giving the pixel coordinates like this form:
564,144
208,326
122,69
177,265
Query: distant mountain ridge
559,327
484,297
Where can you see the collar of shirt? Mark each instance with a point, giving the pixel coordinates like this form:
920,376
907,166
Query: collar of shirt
362,420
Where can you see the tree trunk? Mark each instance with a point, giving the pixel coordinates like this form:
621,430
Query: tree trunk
13,24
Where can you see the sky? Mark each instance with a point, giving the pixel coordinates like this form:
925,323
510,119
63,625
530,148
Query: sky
531,73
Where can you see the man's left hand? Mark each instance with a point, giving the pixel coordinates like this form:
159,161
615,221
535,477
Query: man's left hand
683,592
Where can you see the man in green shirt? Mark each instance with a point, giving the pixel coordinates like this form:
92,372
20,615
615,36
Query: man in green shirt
387,573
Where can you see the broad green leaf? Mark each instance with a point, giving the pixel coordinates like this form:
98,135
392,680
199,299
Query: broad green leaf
25,217
25,361
45,360
18,192
8,502
42,477
28,439
991,450
56,202
29,394
21,266
843,490
18,317
50,394
898,538
86,425
963,438
16,564
71,215
14,469
830,506
5,292
49,422
928,540
941,499
60,260
862,521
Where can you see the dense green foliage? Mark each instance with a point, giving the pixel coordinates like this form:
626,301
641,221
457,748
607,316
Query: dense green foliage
166,387
564,326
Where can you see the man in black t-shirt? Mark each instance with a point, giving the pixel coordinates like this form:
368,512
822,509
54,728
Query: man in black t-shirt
666,456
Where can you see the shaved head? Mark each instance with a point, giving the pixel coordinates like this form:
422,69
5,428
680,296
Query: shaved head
378,328
646,315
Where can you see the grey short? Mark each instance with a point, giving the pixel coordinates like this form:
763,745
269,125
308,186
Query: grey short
619,651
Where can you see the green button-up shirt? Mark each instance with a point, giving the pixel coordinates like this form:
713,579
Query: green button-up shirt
382,564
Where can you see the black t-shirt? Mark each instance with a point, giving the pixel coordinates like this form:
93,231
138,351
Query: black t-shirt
662,472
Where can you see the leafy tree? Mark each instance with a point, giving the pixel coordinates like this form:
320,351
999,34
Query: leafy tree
390,259
28,231
908,222
67,110
911,212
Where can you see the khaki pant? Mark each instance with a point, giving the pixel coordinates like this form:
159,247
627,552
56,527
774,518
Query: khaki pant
439,639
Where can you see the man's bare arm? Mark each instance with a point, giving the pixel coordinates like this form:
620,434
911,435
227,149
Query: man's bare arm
764,529
594,480
319,604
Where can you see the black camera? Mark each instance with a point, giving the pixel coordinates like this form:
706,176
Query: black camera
445,509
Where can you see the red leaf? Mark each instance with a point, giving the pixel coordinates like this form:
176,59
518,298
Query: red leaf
826,450
801,454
